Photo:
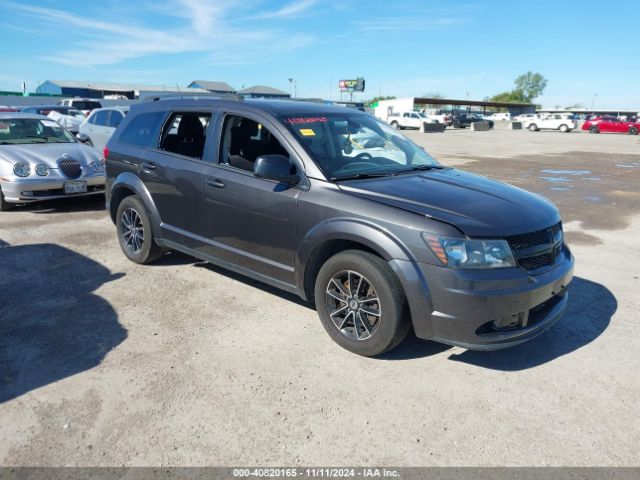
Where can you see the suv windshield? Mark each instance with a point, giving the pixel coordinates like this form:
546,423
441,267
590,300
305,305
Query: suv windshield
357,145
31,130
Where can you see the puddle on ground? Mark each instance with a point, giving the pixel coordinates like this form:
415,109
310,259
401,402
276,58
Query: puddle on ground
589,187
556,179
567,172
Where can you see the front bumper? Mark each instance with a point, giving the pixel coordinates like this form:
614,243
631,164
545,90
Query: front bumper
35,189
486,309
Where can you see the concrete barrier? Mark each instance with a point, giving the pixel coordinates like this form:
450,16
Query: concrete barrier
433,127
516,126
480,126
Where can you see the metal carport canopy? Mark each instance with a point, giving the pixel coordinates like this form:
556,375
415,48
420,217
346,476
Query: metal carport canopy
470,103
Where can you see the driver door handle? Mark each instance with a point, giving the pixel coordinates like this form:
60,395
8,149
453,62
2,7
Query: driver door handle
148,165
214,182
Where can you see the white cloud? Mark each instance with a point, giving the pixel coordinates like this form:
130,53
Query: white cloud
291,10
405,24
194,26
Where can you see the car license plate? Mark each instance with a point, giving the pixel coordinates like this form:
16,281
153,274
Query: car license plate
75,187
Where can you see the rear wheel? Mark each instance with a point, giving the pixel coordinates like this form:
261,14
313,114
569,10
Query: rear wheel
594,129
4,206
361,303
633,130
563,128
533,127
133,226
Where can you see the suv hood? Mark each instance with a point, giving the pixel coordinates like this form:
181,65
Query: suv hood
476,205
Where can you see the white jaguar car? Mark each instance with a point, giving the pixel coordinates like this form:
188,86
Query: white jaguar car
40,160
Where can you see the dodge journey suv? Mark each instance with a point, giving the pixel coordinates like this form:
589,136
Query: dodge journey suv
338,207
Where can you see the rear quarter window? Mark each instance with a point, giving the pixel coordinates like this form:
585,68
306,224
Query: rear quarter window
143,130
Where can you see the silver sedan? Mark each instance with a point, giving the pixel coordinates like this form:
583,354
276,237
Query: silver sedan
40,160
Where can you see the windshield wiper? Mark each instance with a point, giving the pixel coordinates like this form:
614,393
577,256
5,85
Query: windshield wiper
361,175
46,139
419,168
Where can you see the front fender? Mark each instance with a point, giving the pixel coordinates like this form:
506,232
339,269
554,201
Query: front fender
128,181
357,230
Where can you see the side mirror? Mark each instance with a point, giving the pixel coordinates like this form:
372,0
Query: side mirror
275,167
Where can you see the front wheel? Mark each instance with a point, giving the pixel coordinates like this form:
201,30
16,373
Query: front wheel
133,226
563,128
594,129
533,127
361,303
395,125
633,130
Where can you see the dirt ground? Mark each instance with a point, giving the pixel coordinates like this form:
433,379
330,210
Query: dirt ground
104,362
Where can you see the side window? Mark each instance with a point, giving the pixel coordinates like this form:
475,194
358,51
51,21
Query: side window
101,118
244,140
115,117
406,115
143,130
185,133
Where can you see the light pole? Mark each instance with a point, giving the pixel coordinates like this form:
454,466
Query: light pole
593,100
290,86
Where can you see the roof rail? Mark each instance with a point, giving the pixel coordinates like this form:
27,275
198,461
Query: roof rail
193,96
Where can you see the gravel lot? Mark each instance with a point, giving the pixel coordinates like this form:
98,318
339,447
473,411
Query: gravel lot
104,362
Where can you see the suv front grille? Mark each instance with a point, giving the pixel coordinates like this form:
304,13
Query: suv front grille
537,249
70,168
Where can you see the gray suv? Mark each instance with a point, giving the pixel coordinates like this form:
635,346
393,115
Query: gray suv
336,206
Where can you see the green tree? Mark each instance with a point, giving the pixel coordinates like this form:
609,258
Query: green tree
512,96
527,87
530,85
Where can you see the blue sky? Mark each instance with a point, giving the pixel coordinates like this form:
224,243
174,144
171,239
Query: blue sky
402,48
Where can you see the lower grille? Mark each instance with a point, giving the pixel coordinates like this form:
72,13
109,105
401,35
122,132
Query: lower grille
537,249
70,168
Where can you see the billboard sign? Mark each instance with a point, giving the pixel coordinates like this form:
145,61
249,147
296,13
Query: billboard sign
356,85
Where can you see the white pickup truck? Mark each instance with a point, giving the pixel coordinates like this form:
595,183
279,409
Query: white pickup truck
401,120
553,121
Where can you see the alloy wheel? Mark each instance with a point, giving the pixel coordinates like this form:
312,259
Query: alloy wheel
353,305
132,230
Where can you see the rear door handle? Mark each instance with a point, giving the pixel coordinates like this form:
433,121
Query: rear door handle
214,182
148,165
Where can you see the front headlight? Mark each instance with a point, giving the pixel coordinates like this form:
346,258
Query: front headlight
42,170
22,169
468,253
97,167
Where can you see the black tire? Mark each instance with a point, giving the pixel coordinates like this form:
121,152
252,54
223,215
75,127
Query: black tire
392,324
533,127
395,125
564,128
137,250
4,206
633,130
594,129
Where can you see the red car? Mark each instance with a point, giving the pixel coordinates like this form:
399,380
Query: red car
611,124
7,109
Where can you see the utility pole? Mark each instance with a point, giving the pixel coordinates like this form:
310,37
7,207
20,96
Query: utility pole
593,100
290,86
